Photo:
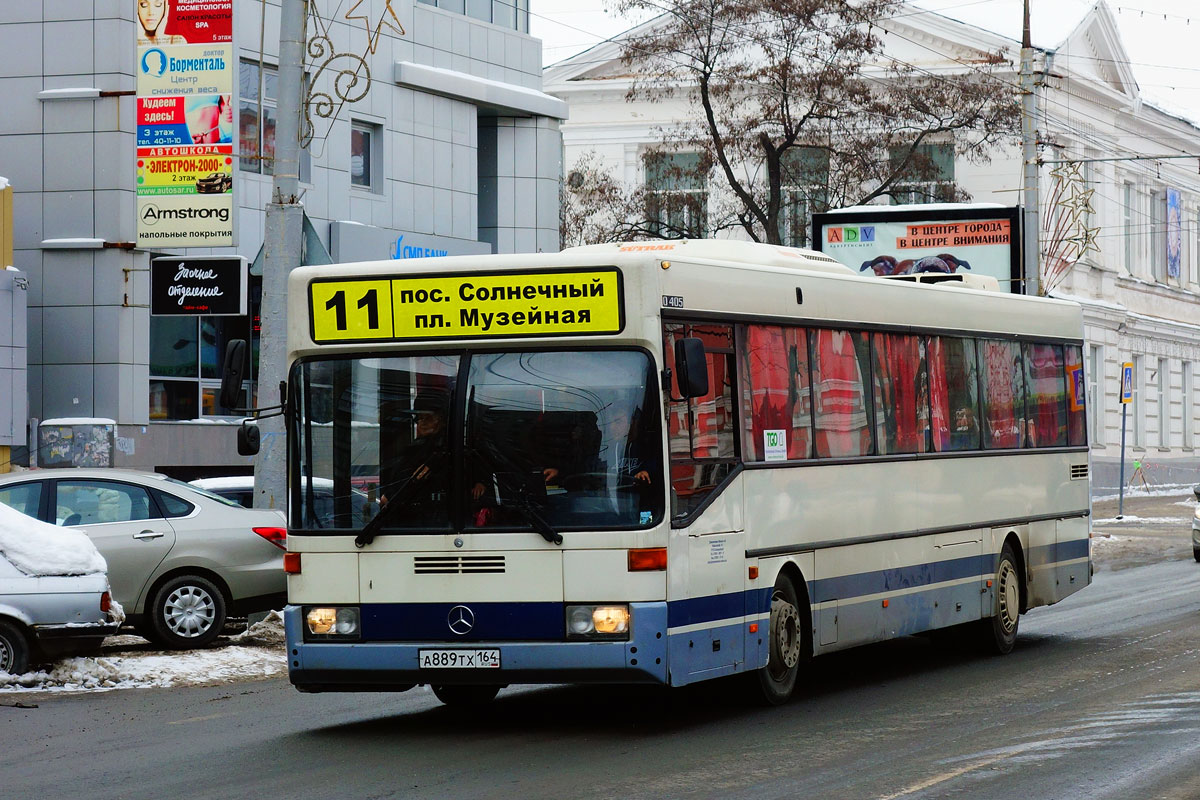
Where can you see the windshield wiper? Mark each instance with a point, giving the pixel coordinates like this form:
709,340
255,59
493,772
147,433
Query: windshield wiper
371,529
522,503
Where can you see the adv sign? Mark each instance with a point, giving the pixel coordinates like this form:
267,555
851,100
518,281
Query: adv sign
978,239
214,286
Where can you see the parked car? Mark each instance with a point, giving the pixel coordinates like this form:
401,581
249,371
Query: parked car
240,488
180,559
54,600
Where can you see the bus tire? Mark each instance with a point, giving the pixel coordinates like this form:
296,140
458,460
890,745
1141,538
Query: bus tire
788,645
464,696
999,631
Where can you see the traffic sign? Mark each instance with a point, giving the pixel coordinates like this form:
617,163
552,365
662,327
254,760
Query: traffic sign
1127,382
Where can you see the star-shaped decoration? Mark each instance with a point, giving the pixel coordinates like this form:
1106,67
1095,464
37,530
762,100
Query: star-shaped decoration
384,21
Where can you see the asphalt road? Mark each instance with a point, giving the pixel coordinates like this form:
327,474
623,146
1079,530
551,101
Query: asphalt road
1100,699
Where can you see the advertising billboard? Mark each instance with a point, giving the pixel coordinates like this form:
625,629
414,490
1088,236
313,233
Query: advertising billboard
983,240
185,123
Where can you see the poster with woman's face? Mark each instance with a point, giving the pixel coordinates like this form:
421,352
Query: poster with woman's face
184,21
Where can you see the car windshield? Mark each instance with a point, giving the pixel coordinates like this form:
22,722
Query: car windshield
549,440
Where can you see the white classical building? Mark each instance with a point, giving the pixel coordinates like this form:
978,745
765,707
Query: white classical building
1137,306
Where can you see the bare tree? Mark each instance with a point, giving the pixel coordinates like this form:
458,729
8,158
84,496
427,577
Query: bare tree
798,110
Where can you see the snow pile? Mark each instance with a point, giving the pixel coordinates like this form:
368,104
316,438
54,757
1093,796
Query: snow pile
254,654
36,548
1130,519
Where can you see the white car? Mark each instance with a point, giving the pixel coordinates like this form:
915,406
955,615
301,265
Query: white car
1196,525
180,559
54,598
240,488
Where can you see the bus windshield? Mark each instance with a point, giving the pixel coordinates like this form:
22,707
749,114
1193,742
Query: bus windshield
550,440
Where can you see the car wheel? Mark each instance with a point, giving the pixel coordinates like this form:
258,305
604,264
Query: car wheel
999,631
187,612
14,649
463,696
1196,552
788,645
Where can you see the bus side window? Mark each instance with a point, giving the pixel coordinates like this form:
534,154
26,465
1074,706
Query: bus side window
1003,386
701,430
1047,400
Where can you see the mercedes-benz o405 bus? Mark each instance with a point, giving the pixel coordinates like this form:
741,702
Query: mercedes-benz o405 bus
668,462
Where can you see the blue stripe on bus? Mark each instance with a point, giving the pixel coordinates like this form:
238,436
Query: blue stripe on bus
545,621
889,580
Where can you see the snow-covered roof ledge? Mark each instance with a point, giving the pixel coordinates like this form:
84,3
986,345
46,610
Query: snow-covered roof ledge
79,93
72,244
507,99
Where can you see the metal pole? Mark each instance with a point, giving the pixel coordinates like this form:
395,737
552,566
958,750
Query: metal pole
282,235
1029,156
1121,491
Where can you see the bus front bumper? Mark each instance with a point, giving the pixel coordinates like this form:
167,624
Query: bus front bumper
331,666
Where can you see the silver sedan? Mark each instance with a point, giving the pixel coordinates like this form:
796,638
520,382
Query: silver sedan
46,616
180,559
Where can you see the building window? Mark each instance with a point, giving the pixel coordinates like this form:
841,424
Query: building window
513,14
365,146
1127,222
1095,388
186,359
804,175
256,137
1164,404
677,195
934,165
1138,434
1158,235
1189,411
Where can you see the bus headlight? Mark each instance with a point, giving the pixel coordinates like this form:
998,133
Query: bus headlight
595,621
331,623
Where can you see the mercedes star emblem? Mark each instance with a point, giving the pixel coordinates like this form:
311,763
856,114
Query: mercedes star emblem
461,620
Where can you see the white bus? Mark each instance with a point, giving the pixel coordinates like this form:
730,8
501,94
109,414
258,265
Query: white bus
668,462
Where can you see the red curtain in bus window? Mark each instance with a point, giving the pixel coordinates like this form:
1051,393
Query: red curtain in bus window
903,398
1076,391
1047,395
840,395
939,392
775,389
1003,393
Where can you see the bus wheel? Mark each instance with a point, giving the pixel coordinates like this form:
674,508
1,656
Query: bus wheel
787,640
461,696
1000,630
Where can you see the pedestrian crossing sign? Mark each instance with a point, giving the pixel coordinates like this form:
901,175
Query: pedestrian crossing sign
1127,382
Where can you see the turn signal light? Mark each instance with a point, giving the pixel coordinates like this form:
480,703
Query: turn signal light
291,563
276,536
648,559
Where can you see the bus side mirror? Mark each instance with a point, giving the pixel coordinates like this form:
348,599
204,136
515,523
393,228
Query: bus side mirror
691,367
233,373
247,439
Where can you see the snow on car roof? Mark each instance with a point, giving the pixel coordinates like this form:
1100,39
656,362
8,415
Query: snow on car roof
37,548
